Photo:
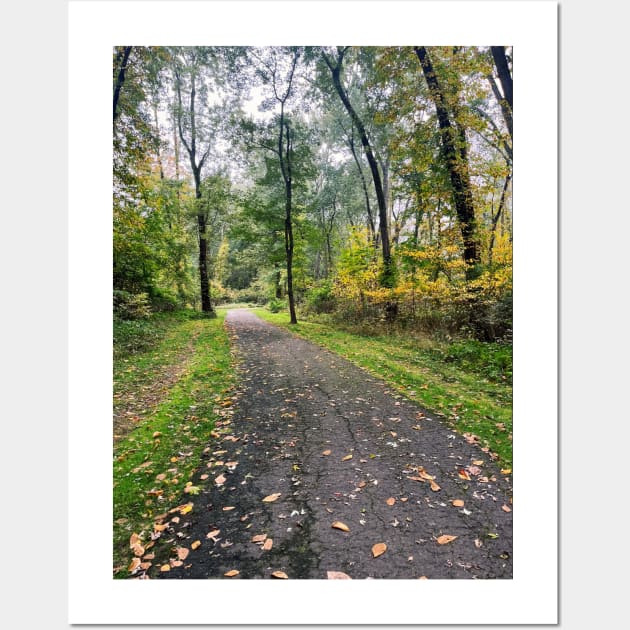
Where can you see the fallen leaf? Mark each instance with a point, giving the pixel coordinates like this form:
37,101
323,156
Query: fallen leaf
280,575
462,474
346,458
404,499
227,508
182,553
220,480
159,528
135,563
138,549
213,534
156,434
134,540
258,538
478,462
272,497
161,477
457,503
506,471
145,565
434,486
390,501
362,484
204,476
268,544
165,567
195,544
379,549
176,563
342,526
445,539
231,573
186,509
423,577
506,508
337,575
326,452
478,543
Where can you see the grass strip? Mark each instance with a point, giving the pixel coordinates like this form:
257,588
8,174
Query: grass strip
154,462
430,373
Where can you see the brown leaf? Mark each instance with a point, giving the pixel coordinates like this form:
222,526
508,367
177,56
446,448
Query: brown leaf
195,544
213,534
138,549
231,573
268,544
337,575
404,499
326,452
425,475
457,503
220,480
258,538
434,486
506,471
379,549
145,565
182,553
135,563
176,563
362,484
506,508
478,462
445,539
462,474
280,575
390,501
204,476
346,458
342,526
227,508
156,434
165,567
272,497
134,540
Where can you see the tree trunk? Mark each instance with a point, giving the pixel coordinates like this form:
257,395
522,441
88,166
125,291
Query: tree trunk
455,151
388,279
366,194
121,78
499,214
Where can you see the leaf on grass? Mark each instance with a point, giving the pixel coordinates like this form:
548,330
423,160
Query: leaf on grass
182,553
342,526
280,575
337,575
161,477
258,538
326,452
346,458
195,544
156,434
268,544
231,573
457,503
272,497
134,540
379,549
138,549
390,501
192,489
135,563
445,539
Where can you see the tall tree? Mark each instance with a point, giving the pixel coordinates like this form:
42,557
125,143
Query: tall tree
188,68
455,148
336,67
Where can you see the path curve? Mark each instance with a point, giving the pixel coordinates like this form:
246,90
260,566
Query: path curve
299,414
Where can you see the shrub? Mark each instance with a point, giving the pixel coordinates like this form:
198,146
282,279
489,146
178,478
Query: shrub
275,306
131,306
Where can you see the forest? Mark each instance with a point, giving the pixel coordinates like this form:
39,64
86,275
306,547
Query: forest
272,202
368,187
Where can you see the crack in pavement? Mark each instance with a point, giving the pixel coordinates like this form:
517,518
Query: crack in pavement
297,401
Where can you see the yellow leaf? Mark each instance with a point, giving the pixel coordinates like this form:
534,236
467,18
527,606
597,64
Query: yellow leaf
390,501
165,567
231,573
506,471
337,575
445,539
195,544
462,474
280,575
346,458
272,497
379,549
187,508
457,503
342,526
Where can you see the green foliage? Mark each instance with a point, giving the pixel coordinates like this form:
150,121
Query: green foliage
275,306
131,306
320,298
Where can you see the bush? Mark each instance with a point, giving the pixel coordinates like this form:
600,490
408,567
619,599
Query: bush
131,306
320,299
275,306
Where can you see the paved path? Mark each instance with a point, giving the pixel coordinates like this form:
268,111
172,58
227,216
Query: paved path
336,445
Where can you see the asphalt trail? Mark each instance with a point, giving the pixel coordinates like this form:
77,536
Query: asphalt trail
297,401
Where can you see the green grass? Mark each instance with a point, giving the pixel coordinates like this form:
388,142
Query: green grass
468,383
167,439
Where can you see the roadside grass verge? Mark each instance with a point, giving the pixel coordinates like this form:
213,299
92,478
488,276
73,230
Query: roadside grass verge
467,383
154,461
